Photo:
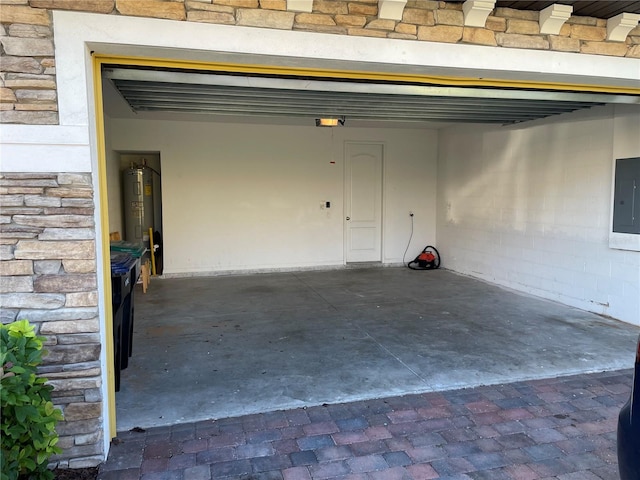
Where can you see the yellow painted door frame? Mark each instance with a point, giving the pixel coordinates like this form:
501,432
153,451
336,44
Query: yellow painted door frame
343,74
105,261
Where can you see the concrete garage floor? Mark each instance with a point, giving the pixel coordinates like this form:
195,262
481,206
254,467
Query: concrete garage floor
218,347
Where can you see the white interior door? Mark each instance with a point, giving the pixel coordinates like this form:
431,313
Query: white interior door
363,205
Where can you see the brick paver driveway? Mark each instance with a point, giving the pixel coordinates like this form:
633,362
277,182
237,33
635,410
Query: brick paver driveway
562,428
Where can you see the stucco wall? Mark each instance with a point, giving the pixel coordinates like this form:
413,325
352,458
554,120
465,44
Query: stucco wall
247,197
529,207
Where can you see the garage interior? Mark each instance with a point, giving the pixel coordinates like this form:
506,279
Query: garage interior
270,298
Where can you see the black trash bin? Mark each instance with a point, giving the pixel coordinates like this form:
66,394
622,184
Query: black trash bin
117,343
122,272
127,313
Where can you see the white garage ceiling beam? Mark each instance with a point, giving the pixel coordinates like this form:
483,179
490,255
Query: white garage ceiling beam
300,5
553,17
477,11
618,27
391,9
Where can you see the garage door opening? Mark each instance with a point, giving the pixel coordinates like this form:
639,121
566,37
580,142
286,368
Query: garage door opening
251,185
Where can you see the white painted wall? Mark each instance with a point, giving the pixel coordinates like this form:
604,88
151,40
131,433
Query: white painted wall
529,207
247,197
116,223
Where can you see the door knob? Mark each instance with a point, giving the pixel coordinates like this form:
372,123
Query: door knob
348,218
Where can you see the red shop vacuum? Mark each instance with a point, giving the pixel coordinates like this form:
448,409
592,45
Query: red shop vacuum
428,259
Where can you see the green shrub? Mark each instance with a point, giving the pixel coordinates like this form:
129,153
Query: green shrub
28,416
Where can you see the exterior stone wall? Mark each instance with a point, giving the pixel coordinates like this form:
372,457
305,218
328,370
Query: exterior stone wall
27,67
48,276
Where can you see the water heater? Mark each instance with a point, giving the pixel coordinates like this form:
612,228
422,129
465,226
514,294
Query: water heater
137,186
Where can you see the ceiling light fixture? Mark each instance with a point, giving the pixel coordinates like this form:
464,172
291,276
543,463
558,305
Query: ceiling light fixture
329,122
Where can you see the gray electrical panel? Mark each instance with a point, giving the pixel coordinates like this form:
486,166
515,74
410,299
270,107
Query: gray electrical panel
626,200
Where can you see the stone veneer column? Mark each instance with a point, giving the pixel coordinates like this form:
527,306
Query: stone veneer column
48,276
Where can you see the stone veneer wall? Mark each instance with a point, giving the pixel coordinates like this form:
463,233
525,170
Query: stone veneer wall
48,276
27,67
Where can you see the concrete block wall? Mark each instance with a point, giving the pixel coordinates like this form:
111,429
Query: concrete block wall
48,276
270,189
27,70
529,207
